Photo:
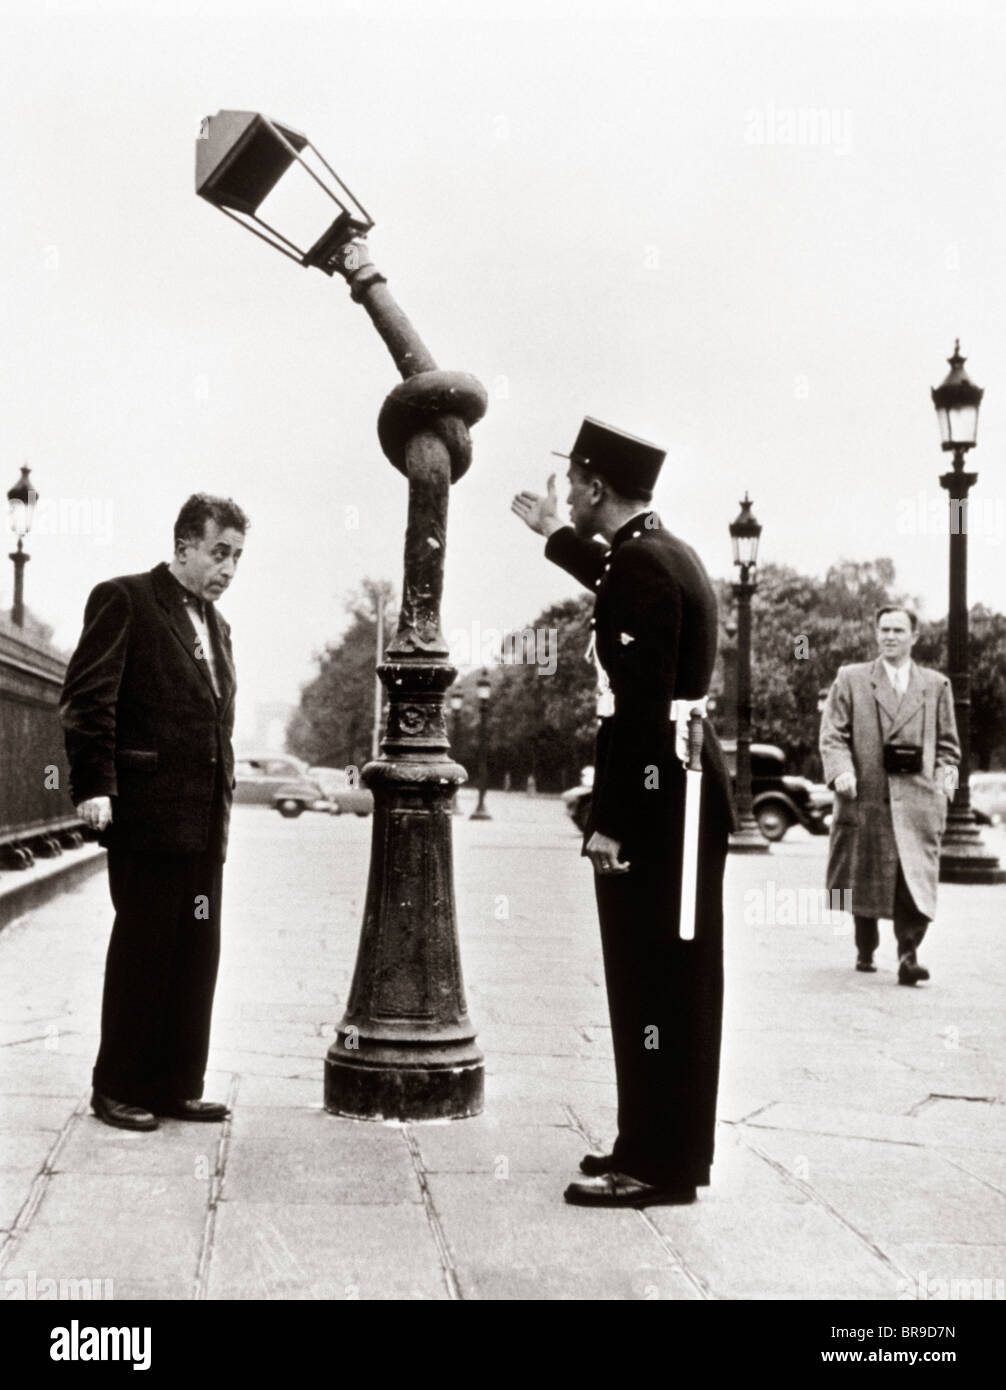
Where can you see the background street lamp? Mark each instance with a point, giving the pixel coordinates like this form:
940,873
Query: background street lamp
745,532
405,1048
21,499
964,857
484,690
457,705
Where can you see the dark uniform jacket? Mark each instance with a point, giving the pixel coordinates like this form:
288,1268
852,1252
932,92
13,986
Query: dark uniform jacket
142,723
655,622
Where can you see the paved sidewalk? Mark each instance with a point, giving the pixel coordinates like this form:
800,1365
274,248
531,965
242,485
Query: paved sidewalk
862,1125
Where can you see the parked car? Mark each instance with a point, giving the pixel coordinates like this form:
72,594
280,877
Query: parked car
988,797
780,800
340,794
279,780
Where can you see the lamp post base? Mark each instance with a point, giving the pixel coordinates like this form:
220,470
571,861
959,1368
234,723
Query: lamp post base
964,856
748,839
399,1092
480,813
405,1048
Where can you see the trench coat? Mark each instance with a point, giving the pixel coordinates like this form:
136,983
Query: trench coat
894,817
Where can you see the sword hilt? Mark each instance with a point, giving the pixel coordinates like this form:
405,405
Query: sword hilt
695,739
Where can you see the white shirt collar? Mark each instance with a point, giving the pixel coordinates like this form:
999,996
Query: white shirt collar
898,675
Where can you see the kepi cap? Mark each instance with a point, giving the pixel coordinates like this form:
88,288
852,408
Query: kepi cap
629,464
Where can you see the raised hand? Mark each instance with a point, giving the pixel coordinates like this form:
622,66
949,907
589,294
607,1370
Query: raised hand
540,513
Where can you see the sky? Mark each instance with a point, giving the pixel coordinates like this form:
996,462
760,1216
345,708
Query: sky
748,232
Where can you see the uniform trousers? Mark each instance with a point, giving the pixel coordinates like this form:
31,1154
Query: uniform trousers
909,923
160,976
665,998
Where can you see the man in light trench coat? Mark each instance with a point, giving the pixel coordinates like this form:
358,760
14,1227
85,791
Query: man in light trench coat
890,751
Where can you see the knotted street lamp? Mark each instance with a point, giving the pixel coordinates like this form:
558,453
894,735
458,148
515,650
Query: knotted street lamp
21,499
964,857
405,1048
484,690
745,533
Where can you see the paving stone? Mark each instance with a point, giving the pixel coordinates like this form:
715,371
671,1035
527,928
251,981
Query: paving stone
732,1244
545,1040
42,1073
338,1213
861,1124
21,1112
278,1090
320,1158
481,1146
150,1246
988,1166
29,1149
853,1175
548,1281
265,1121
525,1223
117,1198
269,1250
171,1151
15,1185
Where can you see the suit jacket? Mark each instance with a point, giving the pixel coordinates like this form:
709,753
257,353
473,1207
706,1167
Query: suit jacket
141,720
656,632
895,817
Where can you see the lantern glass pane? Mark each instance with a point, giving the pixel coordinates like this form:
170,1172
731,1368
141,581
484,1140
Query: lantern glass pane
20,515
298,208
334,185
746,550
963,424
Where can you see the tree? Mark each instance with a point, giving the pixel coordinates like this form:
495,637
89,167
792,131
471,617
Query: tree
987,665
332,726
803,629
544,715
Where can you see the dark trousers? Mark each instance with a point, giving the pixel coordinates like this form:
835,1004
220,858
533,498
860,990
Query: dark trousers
909,924
160,975
665,998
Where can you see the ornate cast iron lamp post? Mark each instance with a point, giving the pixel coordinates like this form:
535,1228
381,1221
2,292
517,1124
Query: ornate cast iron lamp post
745,532
484,690
405,1048
21,499
964,857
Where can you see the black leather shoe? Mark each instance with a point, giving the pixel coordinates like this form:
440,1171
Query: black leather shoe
619,1190
115,1112
910,972
865,963
596,1164
207,1111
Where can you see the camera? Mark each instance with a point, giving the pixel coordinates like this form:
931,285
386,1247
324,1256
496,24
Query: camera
902,757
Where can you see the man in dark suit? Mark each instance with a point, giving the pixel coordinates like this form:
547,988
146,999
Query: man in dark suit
655,635
148,712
